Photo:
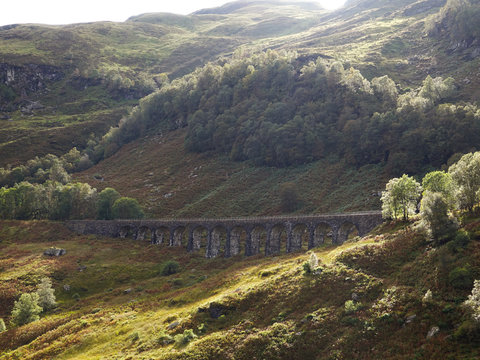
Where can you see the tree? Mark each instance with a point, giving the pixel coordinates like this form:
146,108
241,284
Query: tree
58,173
434,212
105,201
466,176
400,197
440,182
473,301
46,297
288,197
2,325
26,309
127,208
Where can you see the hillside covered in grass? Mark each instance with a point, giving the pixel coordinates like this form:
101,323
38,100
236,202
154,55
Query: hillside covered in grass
366,299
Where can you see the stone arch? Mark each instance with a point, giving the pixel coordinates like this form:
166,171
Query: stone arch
143,233
238,239
278,239
258,240
161,235
199,238
323,234
347,230
177,236
218,242
300,237
126,231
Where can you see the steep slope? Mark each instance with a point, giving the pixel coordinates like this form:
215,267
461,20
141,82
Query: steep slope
171,182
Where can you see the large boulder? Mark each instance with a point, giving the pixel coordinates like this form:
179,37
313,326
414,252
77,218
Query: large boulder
54,252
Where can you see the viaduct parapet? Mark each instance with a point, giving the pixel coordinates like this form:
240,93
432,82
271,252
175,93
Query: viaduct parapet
233,236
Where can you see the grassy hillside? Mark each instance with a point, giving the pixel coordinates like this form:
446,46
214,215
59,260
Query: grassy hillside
108,66
169,182
120,306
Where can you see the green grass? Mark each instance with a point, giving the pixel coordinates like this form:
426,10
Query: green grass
271,310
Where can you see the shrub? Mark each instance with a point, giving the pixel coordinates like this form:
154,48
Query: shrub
106,199
2,326
171,267
311,265
461,277
127,208
306,268
185,338
164,339
434,212
46,297
352,306
26,309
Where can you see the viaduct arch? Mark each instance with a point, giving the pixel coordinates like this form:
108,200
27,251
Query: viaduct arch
223,237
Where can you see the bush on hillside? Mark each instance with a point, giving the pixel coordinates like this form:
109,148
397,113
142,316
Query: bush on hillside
46,296
106,199
2,325
461,277
183,339
434,213
171,267
26,309
127,208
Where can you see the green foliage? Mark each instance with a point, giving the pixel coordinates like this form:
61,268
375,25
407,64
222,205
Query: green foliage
306,268
55,201
171,267
473,301
440,182
163,338
7,94
2,325
127,208
466,176
184,339
48,167
434,212
275,110
352,306
46,296
400,197
26,309
461,277
105,201
458,20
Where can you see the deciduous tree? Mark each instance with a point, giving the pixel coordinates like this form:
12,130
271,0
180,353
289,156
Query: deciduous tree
400,197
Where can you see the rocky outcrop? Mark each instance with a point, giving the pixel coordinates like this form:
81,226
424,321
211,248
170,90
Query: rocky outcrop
25,80
54,252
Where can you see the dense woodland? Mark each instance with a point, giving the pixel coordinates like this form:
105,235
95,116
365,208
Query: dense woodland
277,109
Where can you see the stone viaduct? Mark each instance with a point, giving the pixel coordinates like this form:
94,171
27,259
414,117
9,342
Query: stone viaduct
233,236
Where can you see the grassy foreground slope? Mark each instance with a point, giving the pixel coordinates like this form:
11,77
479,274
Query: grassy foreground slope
172,182
119,306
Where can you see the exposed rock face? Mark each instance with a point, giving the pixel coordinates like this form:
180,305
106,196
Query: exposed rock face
54,252
26,80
